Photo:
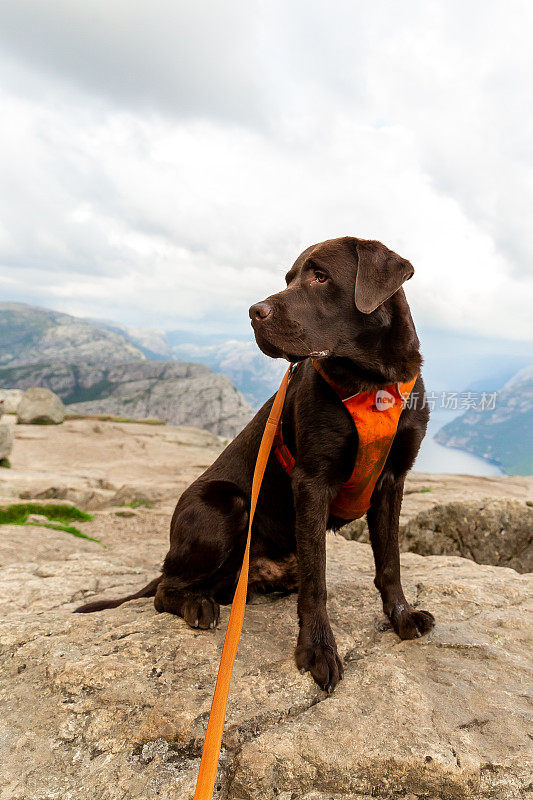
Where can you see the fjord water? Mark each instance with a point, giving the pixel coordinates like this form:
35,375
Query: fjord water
435,457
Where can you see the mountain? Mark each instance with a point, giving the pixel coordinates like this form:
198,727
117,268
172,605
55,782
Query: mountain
176,392
152,342
30,335
503,434
256,375
102,367
485,363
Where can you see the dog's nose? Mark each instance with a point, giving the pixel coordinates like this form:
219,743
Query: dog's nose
260,311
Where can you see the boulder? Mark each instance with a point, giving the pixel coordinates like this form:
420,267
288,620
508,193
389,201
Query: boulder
40,406
9,400
498,532
6,439
114,705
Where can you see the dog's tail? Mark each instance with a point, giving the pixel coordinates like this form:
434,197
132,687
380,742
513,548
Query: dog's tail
99,605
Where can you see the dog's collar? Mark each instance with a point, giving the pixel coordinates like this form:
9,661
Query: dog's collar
403,389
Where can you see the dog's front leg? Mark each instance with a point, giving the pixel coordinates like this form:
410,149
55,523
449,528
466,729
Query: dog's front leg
316,651
383,518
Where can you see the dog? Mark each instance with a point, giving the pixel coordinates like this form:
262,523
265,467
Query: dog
344,320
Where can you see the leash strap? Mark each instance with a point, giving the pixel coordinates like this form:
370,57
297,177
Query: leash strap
215,727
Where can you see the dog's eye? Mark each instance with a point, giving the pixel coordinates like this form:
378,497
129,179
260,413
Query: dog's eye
321,277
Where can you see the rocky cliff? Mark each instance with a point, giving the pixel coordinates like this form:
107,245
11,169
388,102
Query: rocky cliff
30,335
488,529
503,434
176,392
256,375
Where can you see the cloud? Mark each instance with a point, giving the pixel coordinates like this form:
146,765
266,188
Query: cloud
166,163
181,58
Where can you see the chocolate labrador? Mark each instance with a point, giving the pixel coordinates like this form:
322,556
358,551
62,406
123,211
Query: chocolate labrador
344,307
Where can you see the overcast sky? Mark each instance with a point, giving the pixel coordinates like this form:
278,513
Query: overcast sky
163,163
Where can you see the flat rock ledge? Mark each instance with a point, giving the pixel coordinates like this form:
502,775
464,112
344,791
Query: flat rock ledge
113,706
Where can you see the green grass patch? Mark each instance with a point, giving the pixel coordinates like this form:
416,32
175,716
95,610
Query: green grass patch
60,517
5,463
66,529
124,514
18,513
423,491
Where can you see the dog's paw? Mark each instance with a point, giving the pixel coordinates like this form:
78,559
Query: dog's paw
409,623
198,610
320,658
201,612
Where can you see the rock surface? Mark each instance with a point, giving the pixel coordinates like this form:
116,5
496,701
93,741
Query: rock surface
40,406
498,532
6,439
113,706
123,696
86,461
95,464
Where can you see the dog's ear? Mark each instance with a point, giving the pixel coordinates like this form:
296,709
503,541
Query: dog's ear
380,273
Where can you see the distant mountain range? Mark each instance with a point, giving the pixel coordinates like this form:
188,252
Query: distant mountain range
100,370
31,335
253,373
242,377
503,434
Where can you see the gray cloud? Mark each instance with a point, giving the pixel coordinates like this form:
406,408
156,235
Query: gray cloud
169,55
170,159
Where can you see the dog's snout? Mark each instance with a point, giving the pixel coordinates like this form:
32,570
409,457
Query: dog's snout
260,311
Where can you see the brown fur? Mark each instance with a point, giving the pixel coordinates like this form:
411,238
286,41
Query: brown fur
344,305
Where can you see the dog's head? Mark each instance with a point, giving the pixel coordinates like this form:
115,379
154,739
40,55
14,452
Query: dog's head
341,297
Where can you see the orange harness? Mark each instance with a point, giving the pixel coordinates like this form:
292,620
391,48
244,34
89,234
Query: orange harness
376,416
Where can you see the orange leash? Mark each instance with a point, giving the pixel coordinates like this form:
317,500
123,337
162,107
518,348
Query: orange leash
213,737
